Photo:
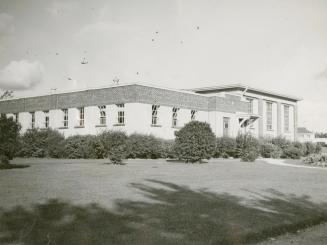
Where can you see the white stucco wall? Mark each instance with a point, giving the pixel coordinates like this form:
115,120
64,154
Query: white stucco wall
138,119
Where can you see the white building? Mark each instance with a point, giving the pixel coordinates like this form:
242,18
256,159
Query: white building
304,135
159,111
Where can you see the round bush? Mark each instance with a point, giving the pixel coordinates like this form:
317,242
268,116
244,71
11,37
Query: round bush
194,142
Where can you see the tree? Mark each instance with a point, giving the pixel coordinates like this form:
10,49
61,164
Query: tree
9,134
194,142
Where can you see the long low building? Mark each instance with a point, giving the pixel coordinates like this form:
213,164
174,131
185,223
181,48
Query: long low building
147,109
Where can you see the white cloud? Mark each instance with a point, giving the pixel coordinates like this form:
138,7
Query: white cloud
21,75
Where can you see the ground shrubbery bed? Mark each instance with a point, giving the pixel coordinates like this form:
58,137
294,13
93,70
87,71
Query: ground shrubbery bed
319,160
196,144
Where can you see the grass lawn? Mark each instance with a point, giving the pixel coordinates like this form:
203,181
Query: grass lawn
156,202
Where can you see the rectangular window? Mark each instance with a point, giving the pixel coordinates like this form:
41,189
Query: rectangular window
32,119
286,118
121,114
155,118
269,116
226,126
81,117
65,117
103,115
250,105
46,119
193,114
16,117
175,117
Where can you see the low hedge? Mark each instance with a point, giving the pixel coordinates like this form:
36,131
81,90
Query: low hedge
51,144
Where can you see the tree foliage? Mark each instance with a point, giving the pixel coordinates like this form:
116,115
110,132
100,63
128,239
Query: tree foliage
9,135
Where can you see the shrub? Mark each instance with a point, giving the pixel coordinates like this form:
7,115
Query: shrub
316,160
9,135
84,146
318,148
249,155
281,142
144,146
117,154
168,147
194,142
247,147
309,148
41,143
269,150
4,160
225,147
292,152
115,145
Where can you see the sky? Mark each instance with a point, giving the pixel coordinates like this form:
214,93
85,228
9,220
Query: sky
278,45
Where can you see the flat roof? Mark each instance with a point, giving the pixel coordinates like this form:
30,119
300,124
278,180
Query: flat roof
236,86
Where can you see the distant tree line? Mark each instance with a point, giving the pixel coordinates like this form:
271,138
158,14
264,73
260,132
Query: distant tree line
321,135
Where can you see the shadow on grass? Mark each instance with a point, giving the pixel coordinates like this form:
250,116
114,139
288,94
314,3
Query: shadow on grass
178,215
12,166
183,161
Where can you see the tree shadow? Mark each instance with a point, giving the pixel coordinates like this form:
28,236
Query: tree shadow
176,215
12,166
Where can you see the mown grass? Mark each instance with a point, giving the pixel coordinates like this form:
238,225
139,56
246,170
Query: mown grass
176,215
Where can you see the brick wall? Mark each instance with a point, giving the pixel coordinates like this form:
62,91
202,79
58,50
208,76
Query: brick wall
125,94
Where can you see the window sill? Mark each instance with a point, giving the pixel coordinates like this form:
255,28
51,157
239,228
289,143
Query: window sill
156,125
63,128
79,127
101,125
119,124
176,127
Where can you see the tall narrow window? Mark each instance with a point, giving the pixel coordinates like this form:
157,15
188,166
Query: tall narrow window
193,112
175,117
32,119
155,119
121,114
269,115
250,105
103,115
16,117
46,119
81,117
286,118
65,117
226,126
